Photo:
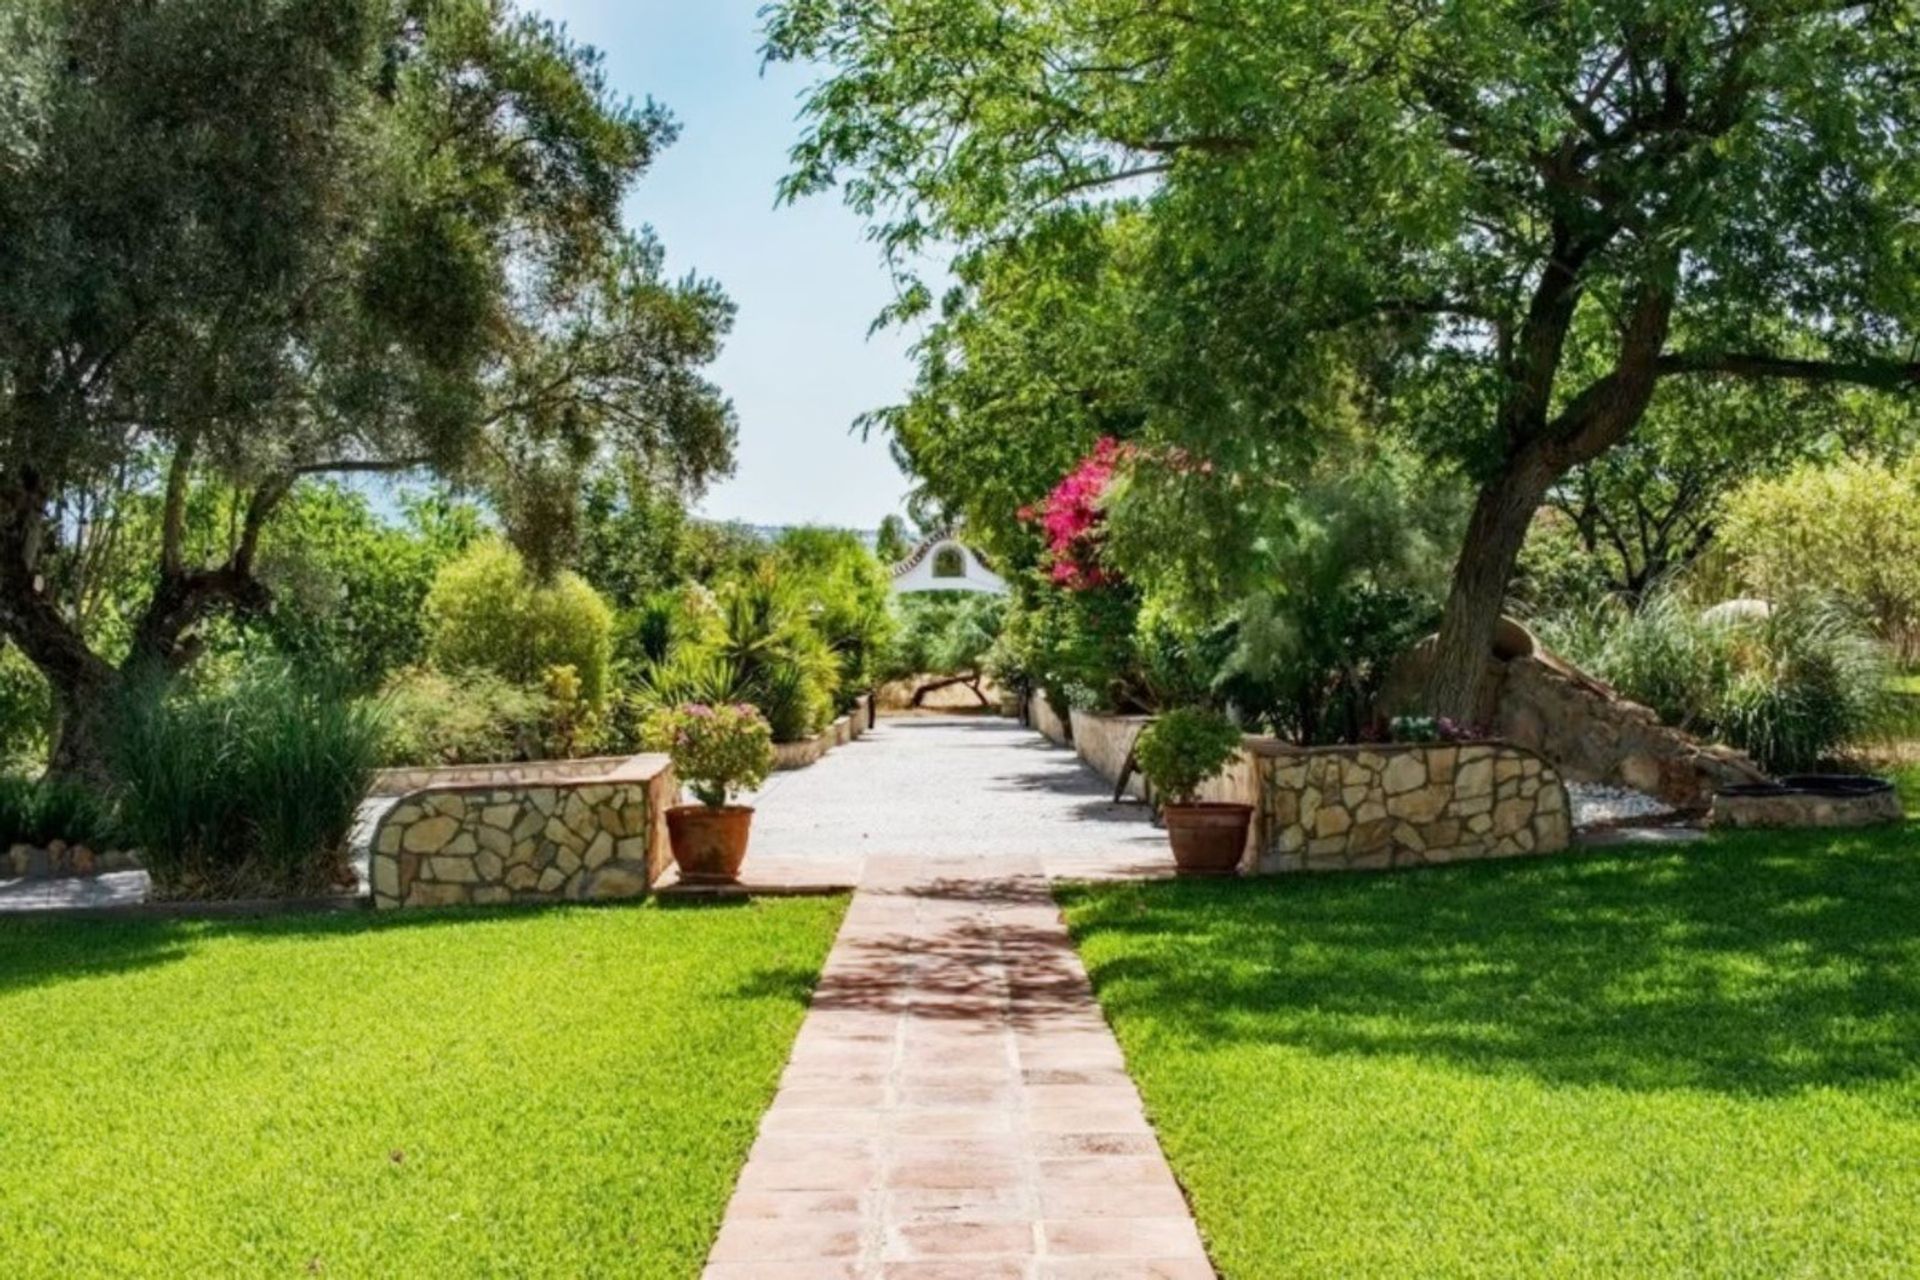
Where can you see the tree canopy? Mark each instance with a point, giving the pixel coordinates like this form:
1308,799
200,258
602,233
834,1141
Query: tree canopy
247,244
1518,219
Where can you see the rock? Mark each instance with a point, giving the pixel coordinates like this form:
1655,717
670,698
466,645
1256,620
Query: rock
386,877
463,843
428,894
429,835
490,866
453,871
1404,772
500,816
1474,779
616,882
599,852
1332,821
550,880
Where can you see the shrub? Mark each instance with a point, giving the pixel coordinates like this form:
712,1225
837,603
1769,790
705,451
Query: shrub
1183,749
1850,531
777,660
1789,689
246,790
477,718
38,813
486,612
716,750
846,594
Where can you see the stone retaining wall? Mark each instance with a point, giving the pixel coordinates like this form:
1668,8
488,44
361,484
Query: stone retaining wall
1362,808
1105,741
1041,716
544,839
1366,807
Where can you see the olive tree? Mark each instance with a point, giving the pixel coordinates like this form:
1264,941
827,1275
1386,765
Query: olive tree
242,244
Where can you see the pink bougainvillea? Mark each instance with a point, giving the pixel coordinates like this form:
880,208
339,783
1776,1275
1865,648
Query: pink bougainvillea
1071,520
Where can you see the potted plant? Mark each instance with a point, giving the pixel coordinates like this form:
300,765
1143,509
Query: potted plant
1177,753
717,752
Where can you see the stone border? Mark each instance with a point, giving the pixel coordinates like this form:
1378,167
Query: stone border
579,839
59,860
845,729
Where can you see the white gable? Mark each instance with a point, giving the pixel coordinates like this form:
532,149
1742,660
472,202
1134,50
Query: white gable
943,563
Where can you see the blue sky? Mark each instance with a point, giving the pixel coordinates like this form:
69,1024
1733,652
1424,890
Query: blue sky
799,366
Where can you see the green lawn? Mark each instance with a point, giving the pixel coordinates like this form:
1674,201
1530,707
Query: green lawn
558,1093
1640,1064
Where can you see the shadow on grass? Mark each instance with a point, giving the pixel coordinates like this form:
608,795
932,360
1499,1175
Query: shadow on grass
1762,964
37,951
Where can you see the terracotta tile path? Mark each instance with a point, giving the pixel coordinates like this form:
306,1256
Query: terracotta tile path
955,1105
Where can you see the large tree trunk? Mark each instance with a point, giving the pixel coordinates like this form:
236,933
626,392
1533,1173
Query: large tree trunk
83,718
1502,514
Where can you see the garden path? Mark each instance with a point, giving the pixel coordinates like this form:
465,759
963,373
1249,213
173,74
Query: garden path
955,1105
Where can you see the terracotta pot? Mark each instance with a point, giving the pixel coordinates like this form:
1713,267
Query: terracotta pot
709,844
1208,839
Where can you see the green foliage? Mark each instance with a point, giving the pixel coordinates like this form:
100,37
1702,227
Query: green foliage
1790,689
1347,576
1078,646
718,750
486,611
943,633
26,712
240,246
349,589
473,717
778,661
40,812
441,1023
1183,749
892,543
1509,228
1612,1023
1850,531
847,595
245,790
634,536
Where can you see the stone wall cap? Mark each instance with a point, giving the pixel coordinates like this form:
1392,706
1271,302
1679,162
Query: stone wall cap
644,767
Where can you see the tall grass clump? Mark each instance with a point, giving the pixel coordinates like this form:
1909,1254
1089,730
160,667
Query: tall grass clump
246,790
1790,689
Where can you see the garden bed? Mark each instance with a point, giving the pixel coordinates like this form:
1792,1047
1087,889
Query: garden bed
556,1093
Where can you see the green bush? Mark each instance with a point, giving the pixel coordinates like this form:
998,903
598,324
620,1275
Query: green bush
1850,532
245,790
1790,689
474,718
486,612
779,662
1183,749
38,813
847,596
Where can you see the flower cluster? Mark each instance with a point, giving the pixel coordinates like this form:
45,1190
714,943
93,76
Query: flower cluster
716,750
1071,519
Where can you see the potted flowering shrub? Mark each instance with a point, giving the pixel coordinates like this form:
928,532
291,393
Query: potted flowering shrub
1177,753
717,751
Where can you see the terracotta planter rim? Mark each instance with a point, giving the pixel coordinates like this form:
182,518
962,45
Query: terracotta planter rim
1211,806
697,807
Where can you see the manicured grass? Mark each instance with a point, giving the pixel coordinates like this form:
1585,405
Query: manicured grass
561,1093
1704,1063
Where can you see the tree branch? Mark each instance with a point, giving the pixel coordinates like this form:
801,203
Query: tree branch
1887,375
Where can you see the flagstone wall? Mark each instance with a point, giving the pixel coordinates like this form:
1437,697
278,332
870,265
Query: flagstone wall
598,836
